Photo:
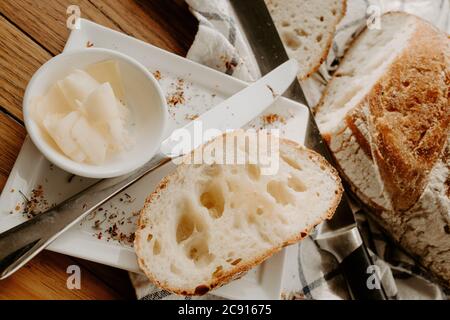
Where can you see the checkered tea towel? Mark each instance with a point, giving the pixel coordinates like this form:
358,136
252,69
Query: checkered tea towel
310,273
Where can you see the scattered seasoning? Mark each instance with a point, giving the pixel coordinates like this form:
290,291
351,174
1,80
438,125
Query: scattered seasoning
272,118
157,75
35,204
177,97
191,117
109,221
97,224
89,44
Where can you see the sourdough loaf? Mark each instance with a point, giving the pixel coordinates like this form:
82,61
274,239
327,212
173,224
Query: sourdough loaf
385,115
307,28
208,224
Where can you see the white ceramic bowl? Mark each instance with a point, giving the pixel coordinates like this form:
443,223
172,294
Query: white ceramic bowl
143,97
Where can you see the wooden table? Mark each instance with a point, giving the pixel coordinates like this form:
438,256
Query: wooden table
31,32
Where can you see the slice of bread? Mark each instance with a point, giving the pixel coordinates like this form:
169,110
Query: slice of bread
385,115
206,225
307,28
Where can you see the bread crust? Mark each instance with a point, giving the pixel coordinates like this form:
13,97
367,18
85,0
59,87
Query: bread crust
404,172
419,76
240,269
412,80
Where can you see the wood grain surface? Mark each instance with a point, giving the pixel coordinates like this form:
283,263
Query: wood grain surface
31,32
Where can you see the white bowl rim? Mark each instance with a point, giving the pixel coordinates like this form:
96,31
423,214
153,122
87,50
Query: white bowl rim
67,164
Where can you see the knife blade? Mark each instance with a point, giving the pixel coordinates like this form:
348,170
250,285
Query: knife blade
340,235
21,243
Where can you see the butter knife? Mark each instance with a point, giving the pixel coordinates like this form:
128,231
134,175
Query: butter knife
21,243
340,235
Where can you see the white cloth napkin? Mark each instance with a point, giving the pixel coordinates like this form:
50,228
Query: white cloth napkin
310,273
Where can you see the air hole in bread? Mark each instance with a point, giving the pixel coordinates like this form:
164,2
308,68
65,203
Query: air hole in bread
333,12
198,252
149,237
156,248
279,192
319,38
291,162
321,18
296,184
218,272
291,40
285,24
259,211
185,228
254,172
188,222
301,32
236,262
212,199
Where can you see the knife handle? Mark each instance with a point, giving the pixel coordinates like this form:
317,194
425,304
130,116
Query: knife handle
21,243
361,274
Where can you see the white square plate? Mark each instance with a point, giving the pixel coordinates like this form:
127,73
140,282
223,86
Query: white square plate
105,236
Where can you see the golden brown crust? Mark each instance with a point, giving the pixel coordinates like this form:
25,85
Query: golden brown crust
240,269
410,115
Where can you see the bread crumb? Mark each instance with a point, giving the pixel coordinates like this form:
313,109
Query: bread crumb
177,97
191,117
272,118
157,75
